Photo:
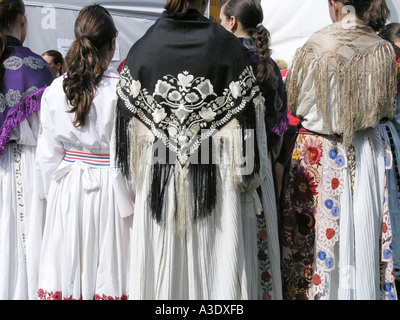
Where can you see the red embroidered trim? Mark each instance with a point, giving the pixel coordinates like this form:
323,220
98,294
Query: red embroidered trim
111,77
57,295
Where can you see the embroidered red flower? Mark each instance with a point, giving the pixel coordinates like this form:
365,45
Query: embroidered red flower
262,234
266,276
317,280
330,233
266,296
335,183
41,294
311,151
56,295
384,227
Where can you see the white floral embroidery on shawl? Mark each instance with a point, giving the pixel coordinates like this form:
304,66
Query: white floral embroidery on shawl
194,104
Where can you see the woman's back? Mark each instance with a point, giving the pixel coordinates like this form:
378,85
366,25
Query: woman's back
187,88
96,134
85,200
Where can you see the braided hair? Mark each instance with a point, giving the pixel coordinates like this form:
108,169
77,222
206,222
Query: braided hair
250,15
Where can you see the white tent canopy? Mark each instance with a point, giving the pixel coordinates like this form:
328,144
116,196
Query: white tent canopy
51,23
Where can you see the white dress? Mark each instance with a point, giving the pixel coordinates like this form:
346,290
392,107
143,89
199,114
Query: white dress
352,255
215,258
21,214
21,209
85,250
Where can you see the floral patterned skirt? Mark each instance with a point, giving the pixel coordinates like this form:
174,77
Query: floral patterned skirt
323,183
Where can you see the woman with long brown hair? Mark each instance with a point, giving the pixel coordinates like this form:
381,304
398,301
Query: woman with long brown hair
336,228
188,108
23,75
244,19
85,240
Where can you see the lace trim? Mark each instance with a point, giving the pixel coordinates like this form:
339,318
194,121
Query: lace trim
327,227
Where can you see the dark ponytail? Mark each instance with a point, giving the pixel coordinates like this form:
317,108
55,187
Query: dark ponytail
390,32
250,15
9,12
177,8
94,28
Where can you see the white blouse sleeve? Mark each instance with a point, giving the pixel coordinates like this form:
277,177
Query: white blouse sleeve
49,152
123,189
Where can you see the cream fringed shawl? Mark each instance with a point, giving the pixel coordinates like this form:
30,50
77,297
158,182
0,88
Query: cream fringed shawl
352,71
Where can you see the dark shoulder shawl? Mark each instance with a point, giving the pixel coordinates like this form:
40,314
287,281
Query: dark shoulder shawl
184,80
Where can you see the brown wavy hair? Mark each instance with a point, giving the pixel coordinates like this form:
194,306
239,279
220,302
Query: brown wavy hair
94,28
250,14
373,13
177,8
9,12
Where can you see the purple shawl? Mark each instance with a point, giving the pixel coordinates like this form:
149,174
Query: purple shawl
17,114
25,73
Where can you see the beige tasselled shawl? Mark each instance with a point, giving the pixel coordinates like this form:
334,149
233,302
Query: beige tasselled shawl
357,65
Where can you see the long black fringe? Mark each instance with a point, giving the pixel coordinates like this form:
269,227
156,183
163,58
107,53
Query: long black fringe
122,142
155,200
204,176
204,184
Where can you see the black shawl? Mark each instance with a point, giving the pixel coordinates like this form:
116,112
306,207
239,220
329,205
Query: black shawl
184,79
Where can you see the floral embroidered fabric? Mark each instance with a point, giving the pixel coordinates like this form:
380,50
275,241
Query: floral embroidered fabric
265,267
57,295
327,229
183,111
387,266
298,218
310,217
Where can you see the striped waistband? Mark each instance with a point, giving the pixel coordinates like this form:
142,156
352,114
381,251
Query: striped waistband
88,158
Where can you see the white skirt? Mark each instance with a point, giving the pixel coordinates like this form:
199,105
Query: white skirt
21,224
85,251
215,259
